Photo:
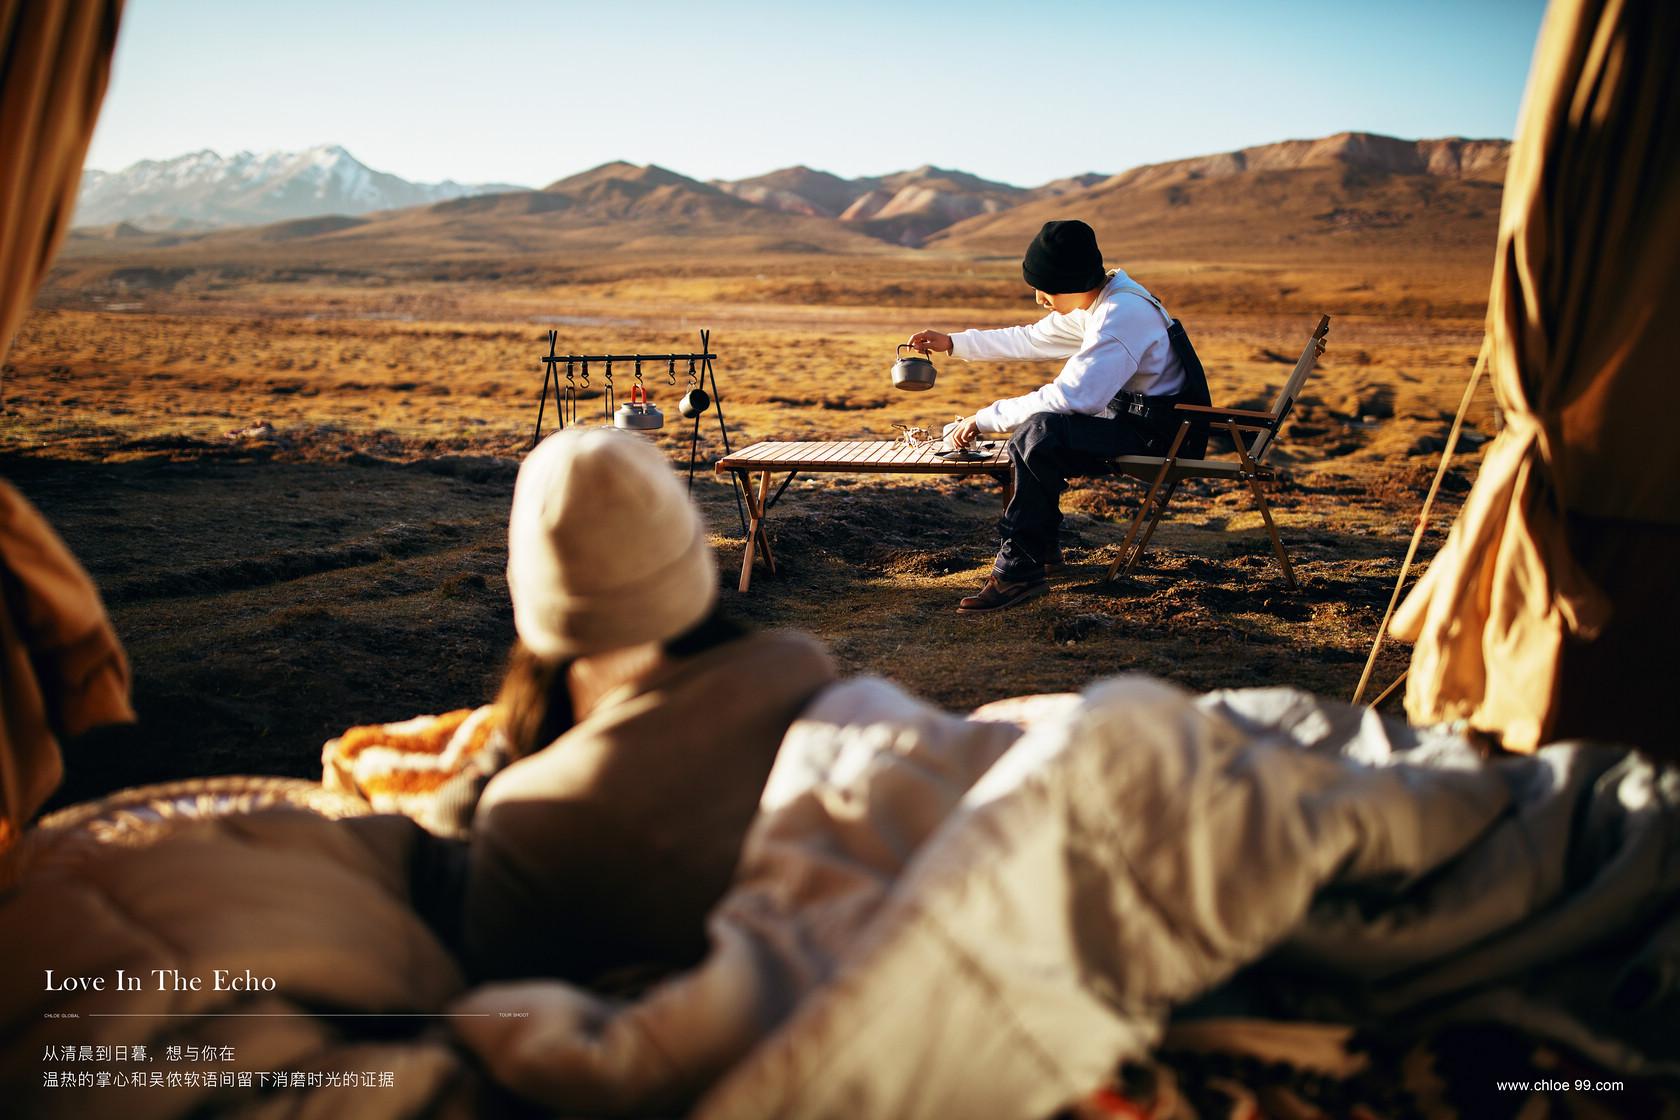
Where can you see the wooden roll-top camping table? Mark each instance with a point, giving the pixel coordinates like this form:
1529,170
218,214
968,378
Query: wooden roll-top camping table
875,456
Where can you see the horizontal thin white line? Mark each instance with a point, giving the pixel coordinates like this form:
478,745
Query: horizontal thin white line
288,1015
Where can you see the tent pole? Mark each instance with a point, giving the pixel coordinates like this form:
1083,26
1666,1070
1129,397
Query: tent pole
1423,519
1389,691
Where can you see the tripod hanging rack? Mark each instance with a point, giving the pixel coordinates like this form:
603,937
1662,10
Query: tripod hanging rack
700,371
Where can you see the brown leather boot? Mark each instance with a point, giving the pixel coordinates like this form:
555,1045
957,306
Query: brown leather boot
999,594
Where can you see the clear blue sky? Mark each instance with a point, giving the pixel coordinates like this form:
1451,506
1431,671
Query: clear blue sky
523,91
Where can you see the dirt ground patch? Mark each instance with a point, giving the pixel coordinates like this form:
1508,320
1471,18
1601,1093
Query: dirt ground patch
266,605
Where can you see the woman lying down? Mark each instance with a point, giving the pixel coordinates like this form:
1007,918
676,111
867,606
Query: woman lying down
856,904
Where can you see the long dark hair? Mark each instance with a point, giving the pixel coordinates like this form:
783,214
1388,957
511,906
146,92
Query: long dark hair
535,700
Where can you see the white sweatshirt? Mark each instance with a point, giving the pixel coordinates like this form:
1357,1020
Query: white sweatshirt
1119,342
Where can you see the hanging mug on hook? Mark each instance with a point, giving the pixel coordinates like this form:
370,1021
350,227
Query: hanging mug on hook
639,415
914,374
694,402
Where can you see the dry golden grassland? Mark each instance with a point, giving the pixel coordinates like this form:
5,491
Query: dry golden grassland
293,491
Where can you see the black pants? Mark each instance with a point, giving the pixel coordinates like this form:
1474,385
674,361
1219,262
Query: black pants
1045,452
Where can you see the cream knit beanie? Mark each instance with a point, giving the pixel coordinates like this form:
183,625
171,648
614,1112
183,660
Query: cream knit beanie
604,548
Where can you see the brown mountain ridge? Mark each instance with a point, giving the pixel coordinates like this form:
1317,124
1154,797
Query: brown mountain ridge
1339,197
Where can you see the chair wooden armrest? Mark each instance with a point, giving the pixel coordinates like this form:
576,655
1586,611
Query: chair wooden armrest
1251,452
1240,413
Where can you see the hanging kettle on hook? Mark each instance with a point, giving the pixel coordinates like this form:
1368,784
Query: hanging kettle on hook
914,374
638,415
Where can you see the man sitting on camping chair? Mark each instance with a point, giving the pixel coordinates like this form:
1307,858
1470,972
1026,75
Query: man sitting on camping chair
1128,363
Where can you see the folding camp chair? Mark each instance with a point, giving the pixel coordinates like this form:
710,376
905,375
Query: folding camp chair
1164,473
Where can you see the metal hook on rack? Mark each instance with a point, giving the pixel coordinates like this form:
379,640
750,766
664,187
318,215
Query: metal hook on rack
671,371
568,410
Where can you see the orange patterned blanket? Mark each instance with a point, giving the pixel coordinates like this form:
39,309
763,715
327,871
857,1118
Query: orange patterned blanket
430,768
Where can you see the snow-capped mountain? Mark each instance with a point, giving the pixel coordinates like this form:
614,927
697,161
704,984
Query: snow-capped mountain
204,189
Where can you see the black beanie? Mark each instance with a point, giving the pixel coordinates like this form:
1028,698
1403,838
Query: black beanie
1064,258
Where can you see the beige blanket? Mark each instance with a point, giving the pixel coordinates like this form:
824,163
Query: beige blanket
279,937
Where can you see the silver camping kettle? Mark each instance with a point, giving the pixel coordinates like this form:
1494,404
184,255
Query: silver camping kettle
914,374
638,415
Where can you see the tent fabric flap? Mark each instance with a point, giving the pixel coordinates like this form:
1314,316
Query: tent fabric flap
55,61
1584,324
61,669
